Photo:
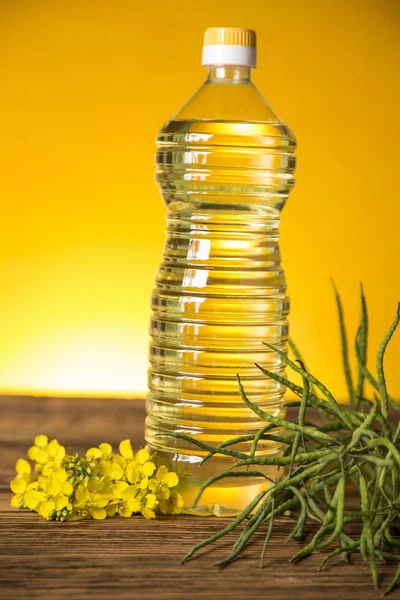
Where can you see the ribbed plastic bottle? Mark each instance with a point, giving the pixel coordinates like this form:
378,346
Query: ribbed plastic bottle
225,164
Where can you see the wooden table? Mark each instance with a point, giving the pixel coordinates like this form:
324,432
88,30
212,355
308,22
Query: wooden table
134,558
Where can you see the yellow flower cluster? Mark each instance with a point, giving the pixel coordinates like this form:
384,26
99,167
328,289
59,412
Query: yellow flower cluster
69,487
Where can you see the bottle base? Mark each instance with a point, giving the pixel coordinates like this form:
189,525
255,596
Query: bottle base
228,496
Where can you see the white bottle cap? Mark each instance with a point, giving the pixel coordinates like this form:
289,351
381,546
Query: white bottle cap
229,46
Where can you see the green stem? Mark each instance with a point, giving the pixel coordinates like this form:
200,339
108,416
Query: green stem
345,353
329,396
379,363
362,342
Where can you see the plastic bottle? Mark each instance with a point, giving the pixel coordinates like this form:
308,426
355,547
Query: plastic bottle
225,164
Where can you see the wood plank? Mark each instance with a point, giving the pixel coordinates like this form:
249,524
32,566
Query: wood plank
134,558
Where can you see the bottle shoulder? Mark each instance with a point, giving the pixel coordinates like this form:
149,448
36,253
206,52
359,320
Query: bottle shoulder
237,110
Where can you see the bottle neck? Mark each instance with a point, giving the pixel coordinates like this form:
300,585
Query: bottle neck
229,74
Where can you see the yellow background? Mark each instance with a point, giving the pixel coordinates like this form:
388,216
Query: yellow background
86,84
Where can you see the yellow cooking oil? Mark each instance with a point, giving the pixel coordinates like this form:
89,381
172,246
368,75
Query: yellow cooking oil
225,166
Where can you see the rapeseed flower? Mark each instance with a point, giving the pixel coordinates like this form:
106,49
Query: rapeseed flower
99,485
21,482
47,455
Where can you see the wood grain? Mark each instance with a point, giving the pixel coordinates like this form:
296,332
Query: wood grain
134,558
